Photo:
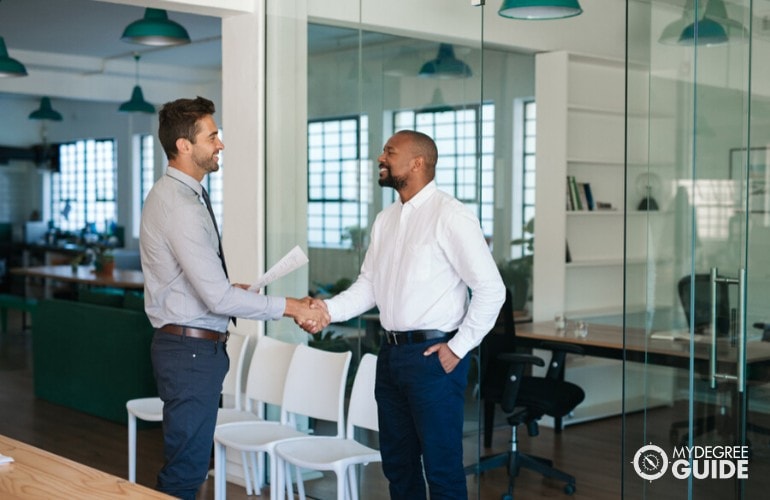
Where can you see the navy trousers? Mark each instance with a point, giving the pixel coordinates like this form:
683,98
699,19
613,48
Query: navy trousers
189,374
420,410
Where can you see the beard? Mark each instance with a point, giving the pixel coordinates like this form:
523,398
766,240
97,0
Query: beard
208,163
392,181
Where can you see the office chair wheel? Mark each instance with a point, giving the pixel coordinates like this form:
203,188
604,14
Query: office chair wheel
569,489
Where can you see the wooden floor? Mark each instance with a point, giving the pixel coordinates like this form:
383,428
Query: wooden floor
590,451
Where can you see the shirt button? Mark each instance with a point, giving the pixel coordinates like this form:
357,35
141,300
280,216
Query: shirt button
195,355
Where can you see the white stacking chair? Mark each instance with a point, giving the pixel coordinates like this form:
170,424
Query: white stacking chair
264,385
151,409
322,453
314,387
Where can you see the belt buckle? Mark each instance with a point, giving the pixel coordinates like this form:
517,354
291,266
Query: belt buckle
392,338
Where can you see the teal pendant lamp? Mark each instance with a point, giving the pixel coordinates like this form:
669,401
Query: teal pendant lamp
673,32
9,66
436,104
155,29
540,9
137,104
445,65
45,111
714,28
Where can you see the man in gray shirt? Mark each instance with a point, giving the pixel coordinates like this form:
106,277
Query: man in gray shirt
188,296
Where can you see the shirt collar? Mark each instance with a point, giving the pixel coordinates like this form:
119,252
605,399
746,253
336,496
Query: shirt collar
422,195
187,180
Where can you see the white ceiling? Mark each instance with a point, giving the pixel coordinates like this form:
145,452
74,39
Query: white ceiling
93,29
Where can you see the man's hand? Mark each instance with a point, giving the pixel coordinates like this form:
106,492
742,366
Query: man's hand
446,357
312,320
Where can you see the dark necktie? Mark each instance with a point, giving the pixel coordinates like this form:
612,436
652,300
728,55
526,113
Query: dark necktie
219,239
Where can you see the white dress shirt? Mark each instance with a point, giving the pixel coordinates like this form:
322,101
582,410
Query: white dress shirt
423,257
184,282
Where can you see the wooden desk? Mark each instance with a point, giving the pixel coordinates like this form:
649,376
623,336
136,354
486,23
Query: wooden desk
84,275
38,474
649,379
607,341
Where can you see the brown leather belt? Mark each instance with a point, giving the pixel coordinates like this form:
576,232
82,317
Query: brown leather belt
196,333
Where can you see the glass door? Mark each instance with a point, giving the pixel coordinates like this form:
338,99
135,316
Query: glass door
696,97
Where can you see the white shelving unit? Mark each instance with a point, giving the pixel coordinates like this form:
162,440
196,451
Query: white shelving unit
581,127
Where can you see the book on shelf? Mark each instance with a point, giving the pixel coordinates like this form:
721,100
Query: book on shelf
581,188
579,195
589,196
574,195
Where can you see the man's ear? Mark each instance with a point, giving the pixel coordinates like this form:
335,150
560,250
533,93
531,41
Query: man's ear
418,163
183,145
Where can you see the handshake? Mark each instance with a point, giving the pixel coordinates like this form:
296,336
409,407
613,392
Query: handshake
309,314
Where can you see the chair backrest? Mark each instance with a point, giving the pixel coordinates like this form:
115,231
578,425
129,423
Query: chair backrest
700,317
362,411
267,373
315,386
501,339
237,345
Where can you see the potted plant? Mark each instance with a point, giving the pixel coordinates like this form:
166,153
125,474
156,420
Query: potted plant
358,237
517,272
104,261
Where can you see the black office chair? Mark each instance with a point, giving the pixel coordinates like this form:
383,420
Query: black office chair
525,399
699,319
501,339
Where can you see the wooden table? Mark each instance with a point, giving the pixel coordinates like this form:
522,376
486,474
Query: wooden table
38,474
82,275
608,341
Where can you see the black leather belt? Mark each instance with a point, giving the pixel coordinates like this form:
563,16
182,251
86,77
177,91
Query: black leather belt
196,333
416,336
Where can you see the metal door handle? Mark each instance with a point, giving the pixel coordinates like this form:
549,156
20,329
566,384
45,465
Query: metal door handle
740,376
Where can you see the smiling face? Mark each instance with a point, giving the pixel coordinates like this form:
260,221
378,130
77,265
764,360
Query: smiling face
396,162
204,152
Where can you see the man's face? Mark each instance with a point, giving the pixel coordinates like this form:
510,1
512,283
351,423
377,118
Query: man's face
395,163
205,150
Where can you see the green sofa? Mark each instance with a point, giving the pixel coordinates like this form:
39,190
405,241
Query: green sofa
92,357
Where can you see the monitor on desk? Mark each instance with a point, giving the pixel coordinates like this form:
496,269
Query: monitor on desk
34,232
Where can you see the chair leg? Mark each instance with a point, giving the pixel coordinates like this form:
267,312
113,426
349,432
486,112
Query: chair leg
489,421
353,481
131,447
246,472
300,484
342,485
220,471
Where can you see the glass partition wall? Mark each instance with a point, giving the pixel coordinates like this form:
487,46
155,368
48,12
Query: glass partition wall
697,108
337,89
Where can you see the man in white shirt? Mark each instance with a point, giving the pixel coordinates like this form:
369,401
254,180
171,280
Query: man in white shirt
427,250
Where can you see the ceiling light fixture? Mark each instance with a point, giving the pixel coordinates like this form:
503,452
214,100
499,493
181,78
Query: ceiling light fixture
8,65
437,104
445,65
540,9
137,102
45,111
155,29
712,28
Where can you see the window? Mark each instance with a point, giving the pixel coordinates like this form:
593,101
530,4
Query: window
528,143
84,191
460,146
338,185
146,165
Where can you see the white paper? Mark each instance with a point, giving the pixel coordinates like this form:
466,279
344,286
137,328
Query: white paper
295,259
4,459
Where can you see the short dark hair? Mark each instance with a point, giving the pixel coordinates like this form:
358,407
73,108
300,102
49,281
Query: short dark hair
179,119
424,146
